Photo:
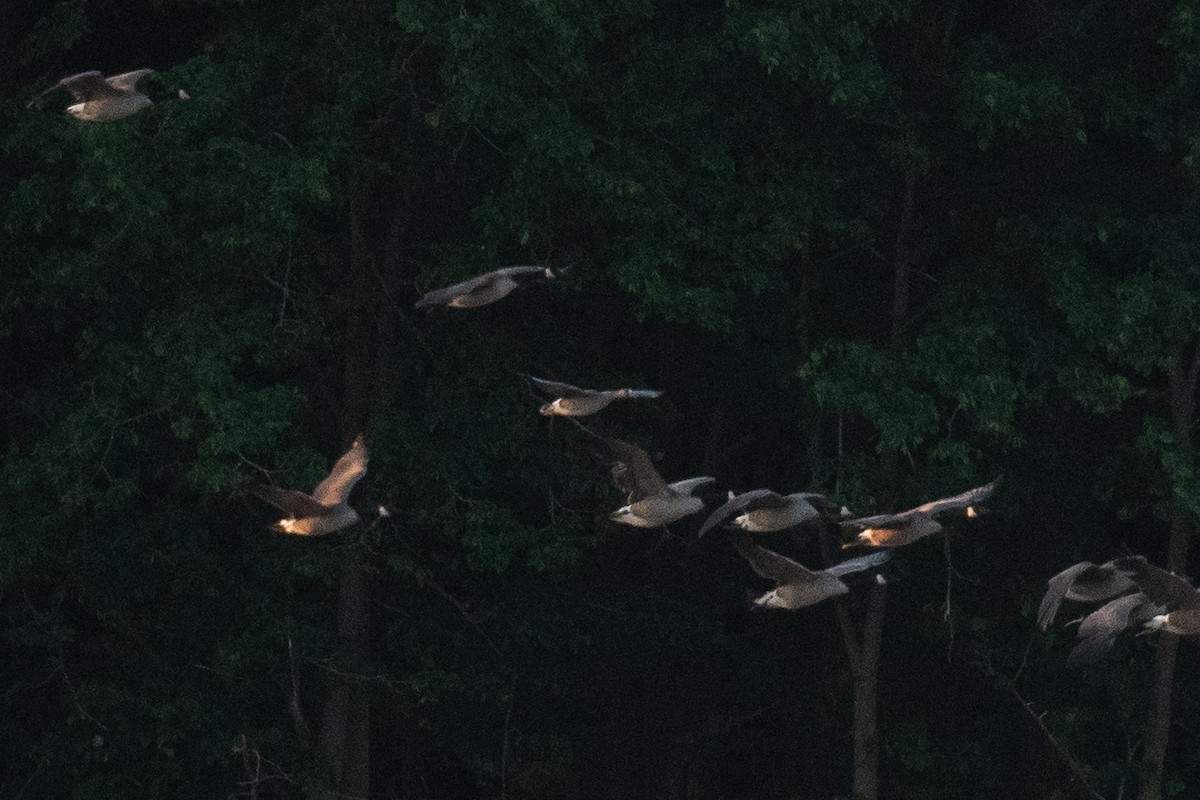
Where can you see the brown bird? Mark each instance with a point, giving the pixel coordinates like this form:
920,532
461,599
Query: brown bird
1084,582
1180,601
652,502
763,510
1099,629
326,509
797,586
1162,601
906,527
482,289
103,99
571,401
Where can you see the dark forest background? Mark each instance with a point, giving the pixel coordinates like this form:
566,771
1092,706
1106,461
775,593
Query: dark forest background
878,249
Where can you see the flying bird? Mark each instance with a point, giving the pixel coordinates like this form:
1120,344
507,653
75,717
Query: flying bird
1084,582
103,99
326,509
797,586
1180,601
482,289
763,510
906,527
1100,629
571,401
1162,600
651,502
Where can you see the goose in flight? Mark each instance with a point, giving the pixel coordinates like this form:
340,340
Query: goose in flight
1162,600
1084,582
1179,600
571,401
763,510
103,99
652,503
797,586
1099,629
906,527
482,289
326,509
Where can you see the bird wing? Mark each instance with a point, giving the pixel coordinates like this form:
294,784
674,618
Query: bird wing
128,81
770,564
877,521
519,272
759,498
291,502
345,473
557,389
878,558
1082,577
967,498
649,393
1099,629
440,297
631,468
1162,587
88,86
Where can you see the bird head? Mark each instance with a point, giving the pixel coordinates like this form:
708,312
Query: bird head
551,409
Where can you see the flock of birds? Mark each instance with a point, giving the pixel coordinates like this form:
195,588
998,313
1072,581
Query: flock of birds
1137,592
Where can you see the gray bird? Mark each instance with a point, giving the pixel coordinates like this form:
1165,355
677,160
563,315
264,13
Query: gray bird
103,99
1179,600
571,401
1084,582
652,503
1099,629
326,509
763,510
906,527
797,586
482,289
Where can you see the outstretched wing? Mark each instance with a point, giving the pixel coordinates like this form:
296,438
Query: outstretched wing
770,564
632,470
296,505
128,81
1162,587
1084,581
968,498
759,498
521,272
876,559
345,473
88,86
556,389
440,297
1099,629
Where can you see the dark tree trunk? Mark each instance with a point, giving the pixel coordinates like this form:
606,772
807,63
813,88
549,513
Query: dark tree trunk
866,697
346,725
1182,384
369,385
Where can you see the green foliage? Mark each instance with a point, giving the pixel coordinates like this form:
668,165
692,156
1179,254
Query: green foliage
217,292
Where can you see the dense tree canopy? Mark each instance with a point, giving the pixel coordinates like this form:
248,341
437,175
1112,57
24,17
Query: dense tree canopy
879,250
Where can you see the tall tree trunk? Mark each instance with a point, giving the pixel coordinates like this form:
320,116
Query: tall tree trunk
862,654
1182,396
866,696
346,725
